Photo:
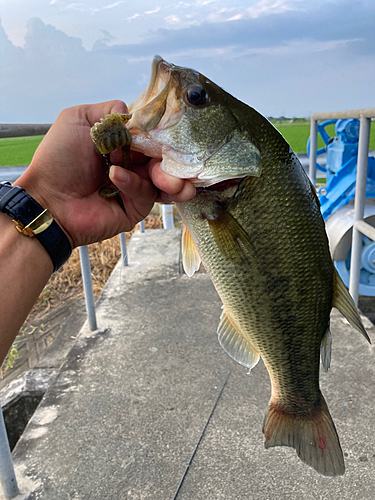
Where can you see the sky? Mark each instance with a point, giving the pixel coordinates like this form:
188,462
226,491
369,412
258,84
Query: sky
282,57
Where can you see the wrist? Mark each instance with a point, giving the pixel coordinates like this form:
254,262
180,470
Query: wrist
29,250
36,191
34,221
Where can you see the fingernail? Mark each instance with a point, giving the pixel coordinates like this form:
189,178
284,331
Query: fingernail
119,174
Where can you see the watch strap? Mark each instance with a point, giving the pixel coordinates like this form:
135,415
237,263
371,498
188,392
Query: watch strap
15,202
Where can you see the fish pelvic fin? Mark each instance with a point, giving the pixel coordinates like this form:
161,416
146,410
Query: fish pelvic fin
343,301
190,256
235,343
314,437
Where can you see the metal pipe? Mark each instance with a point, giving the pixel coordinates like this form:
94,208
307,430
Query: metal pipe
124,251
354,113
142,226
359,206
167,213
365,229
87,286
313,149
7,476
23,129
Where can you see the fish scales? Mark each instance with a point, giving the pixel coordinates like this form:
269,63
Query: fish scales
267,298
255,223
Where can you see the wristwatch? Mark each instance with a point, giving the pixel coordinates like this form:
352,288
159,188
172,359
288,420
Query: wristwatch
33,220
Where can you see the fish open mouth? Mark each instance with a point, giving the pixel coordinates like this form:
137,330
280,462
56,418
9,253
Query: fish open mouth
155,127
150,107
158,81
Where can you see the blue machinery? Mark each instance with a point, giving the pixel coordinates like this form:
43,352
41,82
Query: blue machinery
348,201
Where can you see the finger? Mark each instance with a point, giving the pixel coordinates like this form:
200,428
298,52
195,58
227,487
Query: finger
94,112
172,188
165,182
139,190
187,193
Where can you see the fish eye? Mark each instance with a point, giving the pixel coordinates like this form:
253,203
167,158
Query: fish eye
196,95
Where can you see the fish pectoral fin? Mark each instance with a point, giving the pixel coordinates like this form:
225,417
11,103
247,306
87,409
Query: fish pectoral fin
230,236
235,343
190,256
343,301
313,436
326,350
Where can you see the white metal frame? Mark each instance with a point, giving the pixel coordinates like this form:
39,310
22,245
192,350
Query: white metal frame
360,227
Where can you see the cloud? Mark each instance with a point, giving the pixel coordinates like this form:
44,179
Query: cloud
173,19
157,9
325,24
291,62
147,12
133,17
267,7
237,17
82,7
205,2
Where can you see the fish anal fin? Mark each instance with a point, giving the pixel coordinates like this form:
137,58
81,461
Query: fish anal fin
314,437
235,343
326,350
342,300
190,256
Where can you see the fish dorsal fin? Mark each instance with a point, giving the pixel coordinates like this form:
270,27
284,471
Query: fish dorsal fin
235,343
190,256
326,350
343,301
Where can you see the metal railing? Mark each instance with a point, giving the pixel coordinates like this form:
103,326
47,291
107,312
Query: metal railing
360,227
7,476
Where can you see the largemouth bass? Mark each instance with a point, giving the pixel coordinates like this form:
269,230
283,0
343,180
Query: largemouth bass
255,224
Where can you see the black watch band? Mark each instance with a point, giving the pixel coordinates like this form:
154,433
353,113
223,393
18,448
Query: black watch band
33,220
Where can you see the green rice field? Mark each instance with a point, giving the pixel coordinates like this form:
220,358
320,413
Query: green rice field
20,150
296,133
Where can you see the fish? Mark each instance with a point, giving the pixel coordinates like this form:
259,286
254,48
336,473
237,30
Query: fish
256,226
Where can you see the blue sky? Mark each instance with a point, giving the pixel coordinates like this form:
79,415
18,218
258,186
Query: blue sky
282,57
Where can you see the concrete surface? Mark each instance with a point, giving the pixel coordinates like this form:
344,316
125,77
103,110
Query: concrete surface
125,412
46,341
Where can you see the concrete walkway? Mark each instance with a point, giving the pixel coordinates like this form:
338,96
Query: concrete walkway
131,401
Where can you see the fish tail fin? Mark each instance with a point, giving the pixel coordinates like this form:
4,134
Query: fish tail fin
314,437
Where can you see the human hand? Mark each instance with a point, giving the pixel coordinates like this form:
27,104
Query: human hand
66,173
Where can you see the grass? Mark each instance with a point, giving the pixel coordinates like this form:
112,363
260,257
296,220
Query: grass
10,359
18,150
297,132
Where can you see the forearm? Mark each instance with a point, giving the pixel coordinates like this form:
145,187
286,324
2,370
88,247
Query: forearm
25,268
